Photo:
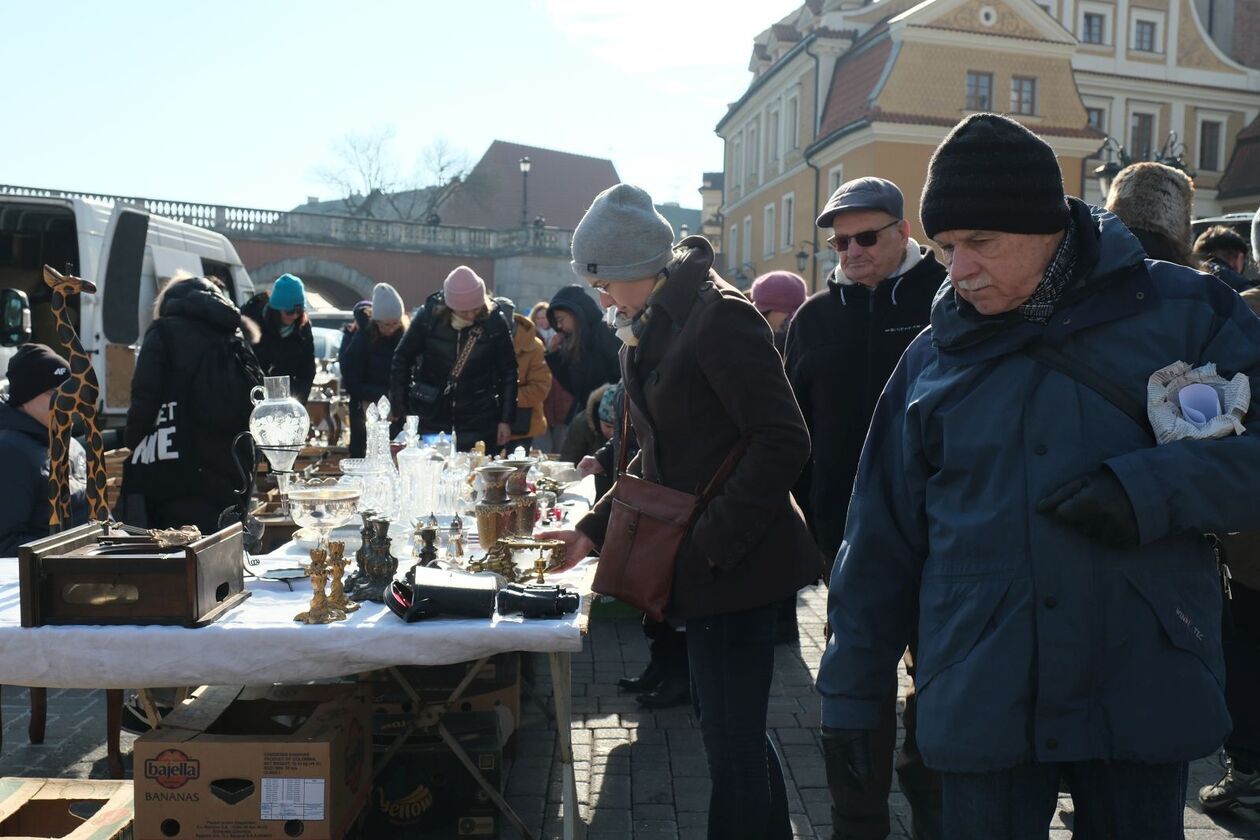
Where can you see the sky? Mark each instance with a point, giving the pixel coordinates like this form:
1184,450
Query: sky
245,103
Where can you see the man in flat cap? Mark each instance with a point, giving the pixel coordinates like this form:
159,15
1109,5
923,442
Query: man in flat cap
1012,494
841,348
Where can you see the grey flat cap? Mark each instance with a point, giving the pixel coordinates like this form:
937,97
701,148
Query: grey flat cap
864,194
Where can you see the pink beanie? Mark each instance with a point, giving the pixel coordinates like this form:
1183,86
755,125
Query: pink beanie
778,291
463,289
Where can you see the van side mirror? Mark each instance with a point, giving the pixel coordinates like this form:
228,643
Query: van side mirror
15,318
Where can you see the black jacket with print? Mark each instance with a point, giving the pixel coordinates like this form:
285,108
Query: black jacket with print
842,346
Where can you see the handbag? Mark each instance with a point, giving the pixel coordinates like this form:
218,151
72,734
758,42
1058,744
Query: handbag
647,526
426,395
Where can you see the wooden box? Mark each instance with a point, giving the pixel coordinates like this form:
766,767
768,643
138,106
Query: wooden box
72,578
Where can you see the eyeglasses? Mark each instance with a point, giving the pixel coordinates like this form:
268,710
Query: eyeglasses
866,238
600,285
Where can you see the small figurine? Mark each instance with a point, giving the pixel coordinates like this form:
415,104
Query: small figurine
320,611
337,567
379,565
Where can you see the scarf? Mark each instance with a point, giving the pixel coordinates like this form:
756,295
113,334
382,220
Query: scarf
1040,305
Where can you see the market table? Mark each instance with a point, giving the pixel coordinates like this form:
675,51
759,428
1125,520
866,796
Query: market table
260,639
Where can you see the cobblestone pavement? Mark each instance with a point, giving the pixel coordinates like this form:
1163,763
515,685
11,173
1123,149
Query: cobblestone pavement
641,775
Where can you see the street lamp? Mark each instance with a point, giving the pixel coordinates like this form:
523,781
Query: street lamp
1119,158
683,231
803,256
525,191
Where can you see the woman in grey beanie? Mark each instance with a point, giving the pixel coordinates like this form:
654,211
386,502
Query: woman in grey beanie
703,380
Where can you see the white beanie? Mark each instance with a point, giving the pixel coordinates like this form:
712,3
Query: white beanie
387,304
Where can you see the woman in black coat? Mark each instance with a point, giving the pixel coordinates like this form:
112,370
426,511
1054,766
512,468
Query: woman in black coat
702,381
365,358
479,401
287,344
190,397
587,355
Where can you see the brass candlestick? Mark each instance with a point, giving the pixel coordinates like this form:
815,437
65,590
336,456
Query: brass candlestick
337,564
320,612
540,566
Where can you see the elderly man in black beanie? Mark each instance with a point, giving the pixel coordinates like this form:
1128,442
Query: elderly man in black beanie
34,374
1011,495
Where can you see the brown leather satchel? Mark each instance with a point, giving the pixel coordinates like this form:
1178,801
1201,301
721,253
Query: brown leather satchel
645,530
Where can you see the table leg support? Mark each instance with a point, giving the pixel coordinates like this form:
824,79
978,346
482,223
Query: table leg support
39,714
561,675
113,725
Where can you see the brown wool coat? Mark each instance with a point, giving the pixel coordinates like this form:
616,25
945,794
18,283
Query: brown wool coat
533,376
704,375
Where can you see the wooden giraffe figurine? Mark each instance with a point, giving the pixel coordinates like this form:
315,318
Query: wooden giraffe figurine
76,397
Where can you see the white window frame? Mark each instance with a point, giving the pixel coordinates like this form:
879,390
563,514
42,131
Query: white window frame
1151,111
1151,16
792,108
1217,117
774,133
747,252
1108,15
732,254
769,227
753,154
835,177
787,222
737,160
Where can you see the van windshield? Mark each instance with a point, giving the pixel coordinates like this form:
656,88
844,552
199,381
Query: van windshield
32,236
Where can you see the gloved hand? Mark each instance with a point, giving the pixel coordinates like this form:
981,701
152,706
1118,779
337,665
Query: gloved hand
847,754
1096,506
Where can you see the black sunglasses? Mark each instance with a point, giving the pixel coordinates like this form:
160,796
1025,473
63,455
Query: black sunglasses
866,238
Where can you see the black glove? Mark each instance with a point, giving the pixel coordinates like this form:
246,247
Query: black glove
847,754
1096,506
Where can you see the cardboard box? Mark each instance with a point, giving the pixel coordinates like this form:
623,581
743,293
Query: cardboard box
265,763
73,809
496,686
425,791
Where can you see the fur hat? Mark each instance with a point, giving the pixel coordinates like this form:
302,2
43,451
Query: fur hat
1155,197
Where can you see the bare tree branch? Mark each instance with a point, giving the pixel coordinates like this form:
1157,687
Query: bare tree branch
366,174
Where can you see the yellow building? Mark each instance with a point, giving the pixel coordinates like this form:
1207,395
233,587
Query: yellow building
842,89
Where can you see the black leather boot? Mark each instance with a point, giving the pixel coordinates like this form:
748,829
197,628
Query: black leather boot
651,677
675,690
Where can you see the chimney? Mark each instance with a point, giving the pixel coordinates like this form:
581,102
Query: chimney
312,199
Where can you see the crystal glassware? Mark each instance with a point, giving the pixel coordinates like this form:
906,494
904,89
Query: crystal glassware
279,424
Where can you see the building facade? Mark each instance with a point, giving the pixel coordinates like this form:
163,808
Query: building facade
846,89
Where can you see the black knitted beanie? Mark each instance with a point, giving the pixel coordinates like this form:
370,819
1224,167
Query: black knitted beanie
991,173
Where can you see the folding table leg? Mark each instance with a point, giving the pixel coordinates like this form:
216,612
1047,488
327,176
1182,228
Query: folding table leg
561,671
491,791
39,715
113,726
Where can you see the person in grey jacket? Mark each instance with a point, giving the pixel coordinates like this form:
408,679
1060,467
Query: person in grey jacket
1069,605
34,373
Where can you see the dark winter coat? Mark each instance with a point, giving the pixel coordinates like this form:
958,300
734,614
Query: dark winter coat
173,426
705,375
609,454
24,508
584,436
1036,643
1238,282
365,363
595,361
292,356
842,346
485,394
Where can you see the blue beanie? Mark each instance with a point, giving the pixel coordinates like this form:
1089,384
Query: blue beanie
287,294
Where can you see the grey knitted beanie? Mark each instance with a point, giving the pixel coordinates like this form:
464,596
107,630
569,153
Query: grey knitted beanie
622,237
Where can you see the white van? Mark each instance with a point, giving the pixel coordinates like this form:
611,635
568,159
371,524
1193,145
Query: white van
128,253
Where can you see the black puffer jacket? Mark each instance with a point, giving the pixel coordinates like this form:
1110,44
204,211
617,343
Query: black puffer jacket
196,325
842,346
292,355
1238,282
365,363
594,362
24,508
484,395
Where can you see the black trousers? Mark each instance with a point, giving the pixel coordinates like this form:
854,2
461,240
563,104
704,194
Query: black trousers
667,647
859,814
1240,637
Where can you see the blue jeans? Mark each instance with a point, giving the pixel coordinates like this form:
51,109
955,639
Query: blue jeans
732,661
1117,800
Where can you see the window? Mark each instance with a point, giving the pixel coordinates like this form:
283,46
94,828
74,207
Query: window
747,252
793,122
1023,95
1096,118
1093,28
1141,136
732,249
979,91
834,179
772,135
737,161
754,149
767,231
1210,145
788,236
1145,36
